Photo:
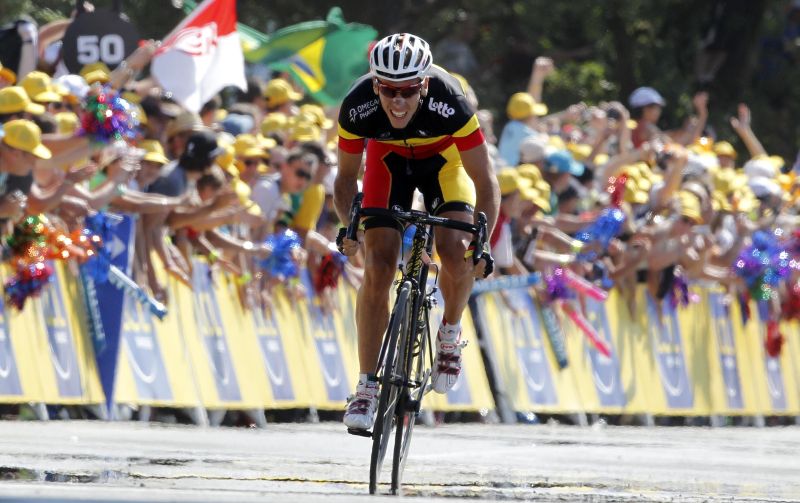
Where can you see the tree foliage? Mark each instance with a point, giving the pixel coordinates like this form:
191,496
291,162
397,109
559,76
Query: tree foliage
603,49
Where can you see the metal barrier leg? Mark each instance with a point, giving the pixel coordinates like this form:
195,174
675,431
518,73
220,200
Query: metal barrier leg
258,416
427,417
216,416
40,410
199,416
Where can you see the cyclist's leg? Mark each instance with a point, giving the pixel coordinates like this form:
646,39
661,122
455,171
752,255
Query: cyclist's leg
383,187
381,245
451,194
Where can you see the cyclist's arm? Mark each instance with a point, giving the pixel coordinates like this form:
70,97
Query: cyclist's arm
479,168
345,185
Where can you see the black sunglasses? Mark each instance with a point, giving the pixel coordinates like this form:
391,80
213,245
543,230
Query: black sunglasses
251,162
303,174
405,91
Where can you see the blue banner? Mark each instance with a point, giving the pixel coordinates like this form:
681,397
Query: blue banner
605,370
721,321
60,340
110,301
775,387
273,354
212,333
331,361
9,377
665,333
526,330
144,353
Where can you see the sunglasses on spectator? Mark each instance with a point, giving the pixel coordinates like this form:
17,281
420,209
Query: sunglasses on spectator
303,174
251,162
405,92
58,106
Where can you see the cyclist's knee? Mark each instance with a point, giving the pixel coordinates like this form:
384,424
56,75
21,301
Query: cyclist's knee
452,257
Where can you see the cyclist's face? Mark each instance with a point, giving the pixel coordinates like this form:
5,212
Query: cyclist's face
399,99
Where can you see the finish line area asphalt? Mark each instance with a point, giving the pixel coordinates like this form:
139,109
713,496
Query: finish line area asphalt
68,461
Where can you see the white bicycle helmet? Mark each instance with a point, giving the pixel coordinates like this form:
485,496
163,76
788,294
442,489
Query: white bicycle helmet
401,56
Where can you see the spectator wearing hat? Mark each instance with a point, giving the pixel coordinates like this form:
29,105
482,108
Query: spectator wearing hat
7,76
179,130
557,170
273,195
303,132
281,97
276,126
21,146
523,112
250,157
16,104
199,154
646,105
510,183
726,154
96,72
40,90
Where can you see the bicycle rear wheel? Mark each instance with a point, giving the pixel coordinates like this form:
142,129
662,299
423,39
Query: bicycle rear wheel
417,377
390,390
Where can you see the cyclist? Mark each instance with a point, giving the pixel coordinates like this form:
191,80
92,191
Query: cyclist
420,133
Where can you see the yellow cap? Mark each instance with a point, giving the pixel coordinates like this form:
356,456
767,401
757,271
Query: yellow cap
509,181
247,145
131,97
279,91
541,198
702,145
96,72
530,171
724,148
8,75
556,142
14,99
580,151
26,136
226,158
67,122
633,192
39,88
242,190
153,151
720,202
690,206
316,115
138,112
777,161
522,105
266,142
274,122
303,131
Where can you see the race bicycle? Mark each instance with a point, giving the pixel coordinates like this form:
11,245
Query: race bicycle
406,357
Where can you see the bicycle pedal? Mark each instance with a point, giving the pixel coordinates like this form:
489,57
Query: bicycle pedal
359,432
412,406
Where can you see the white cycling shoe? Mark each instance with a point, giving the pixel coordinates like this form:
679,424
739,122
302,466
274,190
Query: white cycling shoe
447,365
360,413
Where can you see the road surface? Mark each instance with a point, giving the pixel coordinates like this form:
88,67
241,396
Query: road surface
60,461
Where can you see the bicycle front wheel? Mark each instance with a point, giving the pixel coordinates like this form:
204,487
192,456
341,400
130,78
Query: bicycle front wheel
417,375
391,387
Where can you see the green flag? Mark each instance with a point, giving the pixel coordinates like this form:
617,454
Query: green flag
325,57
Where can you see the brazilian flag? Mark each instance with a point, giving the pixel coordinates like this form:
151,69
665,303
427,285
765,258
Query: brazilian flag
325,57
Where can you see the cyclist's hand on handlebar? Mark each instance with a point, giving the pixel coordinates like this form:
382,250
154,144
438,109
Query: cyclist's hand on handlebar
346,246
483,263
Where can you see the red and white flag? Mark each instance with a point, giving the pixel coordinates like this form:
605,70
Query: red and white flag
202,55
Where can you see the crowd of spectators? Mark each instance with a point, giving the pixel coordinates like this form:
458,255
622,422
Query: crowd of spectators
218,183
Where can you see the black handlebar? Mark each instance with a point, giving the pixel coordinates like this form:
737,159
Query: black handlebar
478,230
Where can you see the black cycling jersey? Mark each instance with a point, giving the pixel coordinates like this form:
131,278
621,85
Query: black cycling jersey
443,117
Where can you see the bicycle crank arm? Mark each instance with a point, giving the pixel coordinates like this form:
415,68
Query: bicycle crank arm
359,433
